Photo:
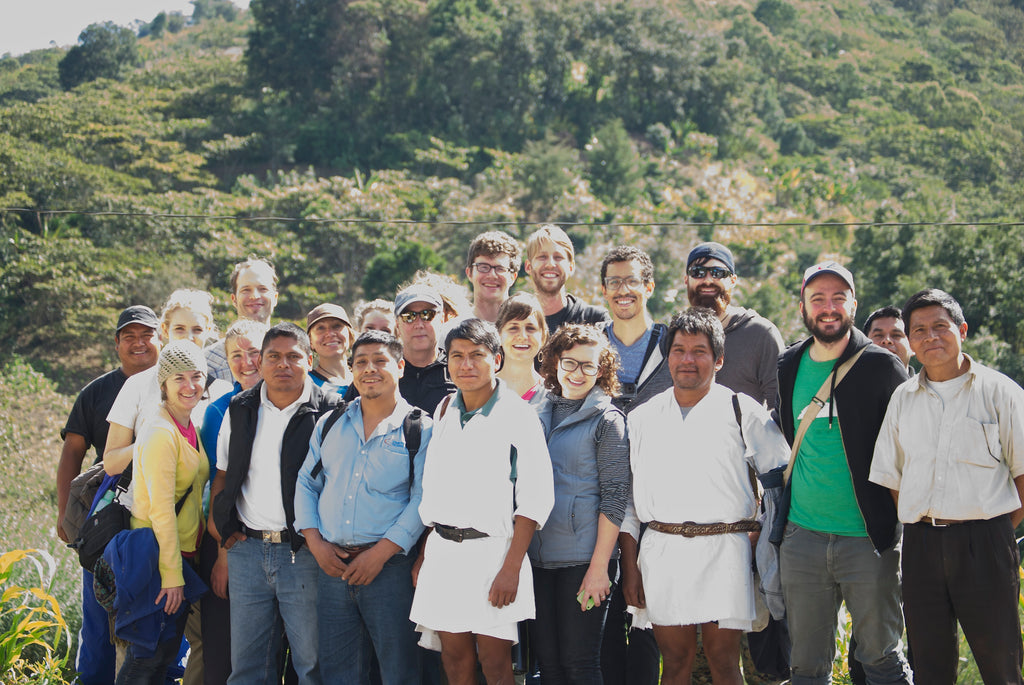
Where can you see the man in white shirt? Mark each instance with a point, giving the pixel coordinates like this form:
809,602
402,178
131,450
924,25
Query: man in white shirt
698,573
951,451
487,486
272,574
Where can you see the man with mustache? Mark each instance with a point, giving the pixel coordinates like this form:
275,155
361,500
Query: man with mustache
842,532
752,342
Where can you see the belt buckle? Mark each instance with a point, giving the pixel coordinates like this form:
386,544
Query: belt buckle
272,536
935,524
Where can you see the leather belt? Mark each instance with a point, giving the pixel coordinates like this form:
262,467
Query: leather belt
690,529
267,535
458,534
355,550
942,523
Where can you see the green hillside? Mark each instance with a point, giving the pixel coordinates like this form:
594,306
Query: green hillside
327,134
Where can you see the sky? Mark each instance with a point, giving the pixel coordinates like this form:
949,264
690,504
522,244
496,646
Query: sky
34,24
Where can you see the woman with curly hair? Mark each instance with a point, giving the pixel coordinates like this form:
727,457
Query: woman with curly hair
574,555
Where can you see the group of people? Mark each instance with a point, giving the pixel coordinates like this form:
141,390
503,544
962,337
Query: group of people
453,474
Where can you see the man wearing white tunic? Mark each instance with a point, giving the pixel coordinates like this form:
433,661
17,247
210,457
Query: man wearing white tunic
487,486
691,484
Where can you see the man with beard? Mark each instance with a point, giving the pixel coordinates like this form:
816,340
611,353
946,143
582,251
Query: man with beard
550,262
752,342
627,278
840,539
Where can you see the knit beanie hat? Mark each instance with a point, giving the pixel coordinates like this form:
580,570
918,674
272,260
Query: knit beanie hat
178,357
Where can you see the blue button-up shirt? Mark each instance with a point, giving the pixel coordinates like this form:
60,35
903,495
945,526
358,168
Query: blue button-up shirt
363,493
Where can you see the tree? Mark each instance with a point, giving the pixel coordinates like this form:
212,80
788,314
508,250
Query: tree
615,172
104,51
390,268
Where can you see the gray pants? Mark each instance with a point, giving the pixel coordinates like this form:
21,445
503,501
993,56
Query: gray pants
819,572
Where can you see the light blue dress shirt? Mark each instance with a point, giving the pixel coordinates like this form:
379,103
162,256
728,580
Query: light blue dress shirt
363,493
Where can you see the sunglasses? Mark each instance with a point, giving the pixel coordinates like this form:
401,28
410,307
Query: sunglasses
717,272
426,315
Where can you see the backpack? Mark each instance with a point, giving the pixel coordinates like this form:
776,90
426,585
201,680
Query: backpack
108,518
80,499
412,429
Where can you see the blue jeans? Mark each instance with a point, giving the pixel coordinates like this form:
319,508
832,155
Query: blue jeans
820,571
270,593
566,640
152,670
95,662
357,619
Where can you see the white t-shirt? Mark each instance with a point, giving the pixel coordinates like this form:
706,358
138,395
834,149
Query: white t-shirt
260,505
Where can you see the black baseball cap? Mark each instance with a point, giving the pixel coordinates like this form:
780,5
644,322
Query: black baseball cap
138,313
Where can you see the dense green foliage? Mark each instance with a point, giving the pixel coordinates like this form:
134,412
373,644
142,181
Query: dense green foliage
355,141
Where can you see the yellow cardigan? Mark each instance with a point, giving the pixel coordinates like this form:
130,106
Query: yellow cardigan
163,467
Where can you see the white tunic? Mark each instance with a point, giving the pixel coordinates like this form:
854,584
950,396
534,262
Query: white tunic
467,484
697,470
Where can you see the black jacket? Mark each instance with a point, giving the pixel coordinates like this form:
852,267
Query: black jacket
243,414
426,386
861,401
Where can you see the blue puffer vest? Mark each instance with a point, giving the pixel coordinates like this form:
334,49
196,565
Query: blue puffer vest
570,534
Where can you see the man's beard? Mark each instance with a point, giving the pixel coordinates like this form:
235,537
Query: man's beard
717,301
845,324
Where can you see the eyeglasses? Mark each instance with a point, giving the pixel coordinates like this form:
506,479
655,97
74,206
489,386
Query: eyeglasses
426,315
717,272
485,268
568,364
613,283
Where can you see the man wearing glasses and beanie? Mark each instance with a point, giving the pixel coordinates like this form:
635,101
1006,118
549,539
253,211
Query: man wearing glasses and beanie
752,342
418,318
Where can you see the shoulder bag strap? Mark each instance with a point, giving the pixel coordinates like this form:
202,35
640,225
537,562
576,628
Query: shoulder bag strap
809,416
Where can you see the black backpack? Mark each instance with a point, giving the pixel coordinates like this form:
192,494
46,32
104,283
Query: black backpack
109,520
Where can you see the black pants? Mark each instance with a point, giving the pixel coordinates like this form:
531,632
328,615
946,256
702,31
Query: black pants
215,615
966,572
632,660
566,640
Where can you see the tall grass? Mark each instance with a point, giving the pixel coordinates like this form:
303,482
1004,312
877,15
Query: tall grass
35,641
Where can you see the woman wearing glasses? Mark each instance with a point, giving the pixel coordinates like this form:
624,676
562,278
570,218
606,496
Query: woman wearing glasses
574,554
523,332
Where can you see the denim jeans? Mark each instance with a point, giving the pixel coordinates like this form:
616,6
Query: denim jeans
270,592
566,640
95,661
152,670
820,571
357,619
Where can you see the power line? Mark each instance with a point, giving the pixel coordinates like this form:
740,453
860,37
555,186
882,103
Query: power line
445,222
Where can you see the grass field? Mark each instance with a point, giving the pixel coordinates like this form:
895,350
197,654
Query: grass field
31,415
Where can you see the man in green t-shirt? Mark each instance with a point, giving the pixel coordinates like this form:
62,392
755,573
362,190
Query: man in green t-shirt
840,541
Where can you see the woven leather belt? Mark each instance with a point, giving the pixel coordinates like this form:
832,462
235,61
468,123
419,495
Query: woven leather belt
267,535
690,529
355,550
458,534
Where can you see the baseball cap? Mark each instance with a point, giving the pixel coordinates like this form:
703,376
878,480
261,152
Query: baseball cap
712,251
417,293
828,267
140,314
326,311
